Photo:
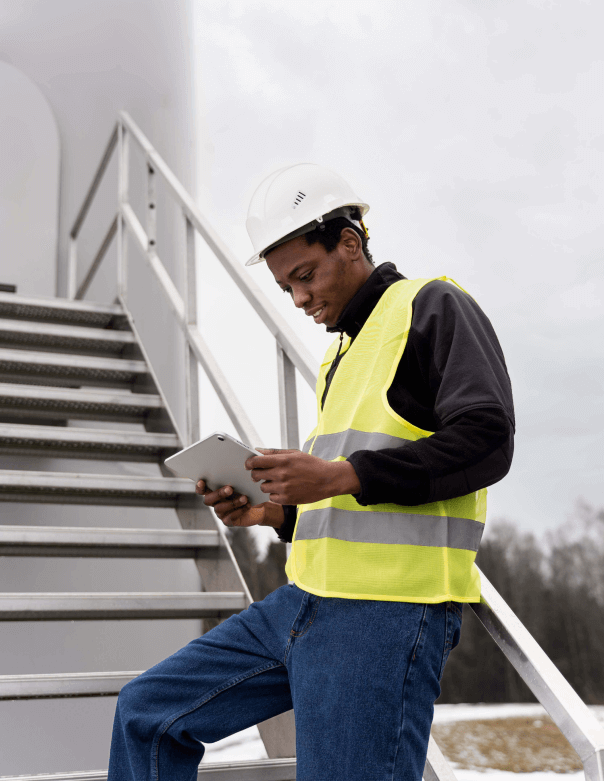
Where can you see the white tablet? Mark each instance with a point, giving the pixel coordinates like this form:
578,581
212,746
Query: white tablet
219,460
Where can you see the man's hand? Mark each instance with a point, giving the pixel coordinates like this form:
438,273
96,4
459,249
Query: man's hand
233,509
293,477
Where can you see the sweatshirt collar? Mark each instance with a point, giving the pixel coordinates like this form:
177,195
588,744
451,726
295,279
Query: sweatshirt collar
362,304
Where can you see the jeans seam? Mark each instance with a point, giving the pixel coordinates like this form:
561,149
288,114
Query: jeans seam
448,644
421,631
456,610
309,623
302,606
406,678
167,724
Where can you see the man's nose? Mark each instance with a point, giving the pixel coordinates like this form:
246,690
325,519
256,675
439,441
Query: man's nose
300,297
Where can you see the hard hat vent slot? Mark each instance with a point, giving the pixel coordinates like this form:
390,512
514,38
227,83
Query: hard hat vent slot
299,198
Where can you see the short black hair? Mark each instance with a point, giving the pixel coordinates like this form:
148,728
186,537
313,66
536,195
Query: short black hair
328,234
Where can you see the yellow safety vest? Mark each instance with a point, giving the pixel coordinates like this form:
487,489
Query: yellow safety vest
423,553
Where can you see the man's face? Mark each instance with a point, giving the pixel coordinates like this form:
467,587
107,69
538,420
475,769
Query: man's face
320,282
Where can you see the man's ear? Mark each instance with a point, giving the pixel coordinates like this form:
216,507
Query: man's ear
351,244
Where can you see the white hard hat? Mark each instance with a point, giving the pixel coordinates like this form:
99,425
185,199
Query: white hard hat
293,201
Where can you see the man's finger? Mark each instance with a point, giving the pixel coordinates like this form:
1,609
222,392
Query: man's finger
271,451
261,474
212,497
226,507
266,462
261,462
230,519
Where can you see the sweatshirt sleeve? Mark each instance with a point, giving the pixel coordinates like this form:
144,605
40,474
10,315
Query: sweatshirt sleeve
451,380
286,531
471,452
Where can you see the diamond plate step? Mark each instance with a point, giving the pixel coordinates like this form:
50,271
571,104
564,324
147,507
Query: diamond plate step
20,401
61,310
105,543
61,442
30,687
80,488
75,338
255,770
48,606
64,369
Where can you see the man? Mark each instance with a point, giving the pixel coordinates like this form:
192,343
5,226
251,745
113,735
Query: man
385,508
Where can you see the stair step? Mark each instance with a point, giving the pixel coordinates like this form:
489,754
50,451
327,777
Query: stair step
61,310
118,606
64,442
30,687
18,485
254,770
106,543
45,402
63,337
64,368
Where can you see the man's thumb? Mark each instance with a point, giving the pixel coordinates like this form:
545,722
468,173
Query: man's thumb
272,451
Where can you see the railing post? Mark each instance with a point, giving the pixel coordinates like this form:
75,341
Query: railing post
72,267
288,401
122,232
192,367
151,208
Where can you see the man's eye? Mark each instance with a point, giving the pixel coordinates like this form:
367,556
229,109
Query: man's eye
305,277
287,290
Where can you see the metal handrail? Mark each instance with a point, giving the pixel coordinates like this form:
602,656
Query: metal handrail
550,687
565,707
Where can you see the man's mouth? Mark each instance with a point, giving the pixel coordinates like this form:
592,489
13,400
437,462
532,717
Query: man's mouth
316,314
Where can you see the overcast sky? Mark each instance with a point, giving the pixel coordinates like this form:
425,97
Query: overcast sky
474,130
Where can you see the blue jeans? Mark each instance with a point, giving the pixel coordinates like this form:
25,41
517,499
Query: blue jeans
361,676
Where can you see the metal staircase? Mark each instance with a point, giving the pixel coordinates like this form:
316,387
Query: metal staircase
66,361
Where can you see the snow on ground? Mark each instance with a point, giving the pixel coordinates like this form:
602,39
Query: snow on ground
445,714
247,745
503,775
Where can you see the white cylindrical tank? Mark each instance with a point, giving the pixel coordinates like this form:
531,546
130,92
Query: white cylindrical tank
81,62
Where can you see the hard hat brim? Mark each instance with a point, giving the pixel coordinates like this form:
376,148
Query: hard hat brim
257,257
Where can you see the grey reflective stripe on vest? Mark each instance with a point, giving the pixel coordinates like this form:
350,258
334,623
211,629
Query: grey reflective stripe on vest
435,531
344,443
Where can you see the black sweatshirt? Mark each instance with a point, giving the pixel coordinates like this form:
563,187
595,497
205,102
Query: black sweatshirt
452,380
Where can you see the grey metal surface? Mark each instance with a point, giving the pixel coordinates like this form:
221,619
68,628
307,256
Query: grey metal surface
83,488
277,325
568,711
98,258
117,606
85,443
96,181
197,345
106,543
255,770
59,310
59,337
229,400
165,420
43,401
288,400
191,365
123,177
77,369
30,687
437,768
